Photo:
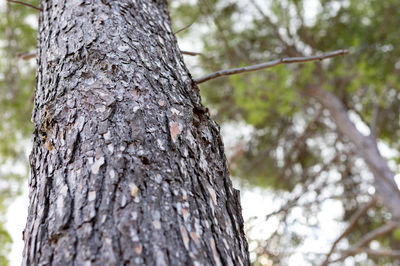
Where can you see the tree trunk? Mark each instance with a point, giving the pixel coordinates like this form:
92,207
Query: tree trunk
127,167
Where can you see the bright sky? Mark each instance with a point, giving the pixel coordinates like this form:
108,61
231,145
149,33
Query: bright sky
16,219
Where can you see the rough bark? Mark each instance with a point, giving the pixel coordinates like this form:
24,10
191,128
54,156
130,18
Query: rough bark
127,168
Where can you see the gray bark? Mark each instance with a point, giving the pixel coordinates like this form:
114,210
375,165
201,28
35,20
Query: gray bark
127,168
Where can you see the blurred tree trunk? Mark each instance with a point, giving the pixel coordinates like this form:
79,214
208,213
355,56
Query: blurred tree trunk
367,147
127,167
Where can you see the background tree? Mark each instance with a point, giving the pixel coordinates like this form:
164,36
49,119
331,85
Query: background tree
302,144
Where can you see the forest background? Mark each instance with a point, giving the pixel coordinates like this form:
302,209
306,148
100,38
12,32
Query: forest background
286,129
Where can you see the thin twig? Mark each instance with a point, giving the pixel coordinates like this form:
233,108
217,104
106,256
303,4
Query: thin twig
26,56
352,224
288,60
190,53
187,26
358,248
285,209
25,4
184,28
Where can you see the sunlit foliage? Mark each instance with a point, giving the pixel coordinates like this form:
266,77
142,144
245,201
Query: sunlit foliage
294,148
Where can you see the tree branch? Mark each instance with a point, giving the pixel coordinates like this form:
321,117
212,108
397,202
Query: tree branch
25,4
26,56
366,147
184,28
358,248
352,224
375,233
287,60
190,53
382,252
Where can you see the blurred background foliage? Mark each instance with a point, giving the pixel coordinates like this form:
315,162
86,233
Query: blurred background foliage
17,80
293,148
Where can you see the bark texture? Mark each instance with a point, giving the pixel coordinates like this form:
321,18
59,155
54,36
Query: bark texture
127,168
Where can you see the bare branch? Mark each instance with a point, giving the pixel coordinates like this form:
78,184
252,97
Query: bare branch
26,56
352,224
25,4
375,233
190,53
382,252
358,248
184,28
287,60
